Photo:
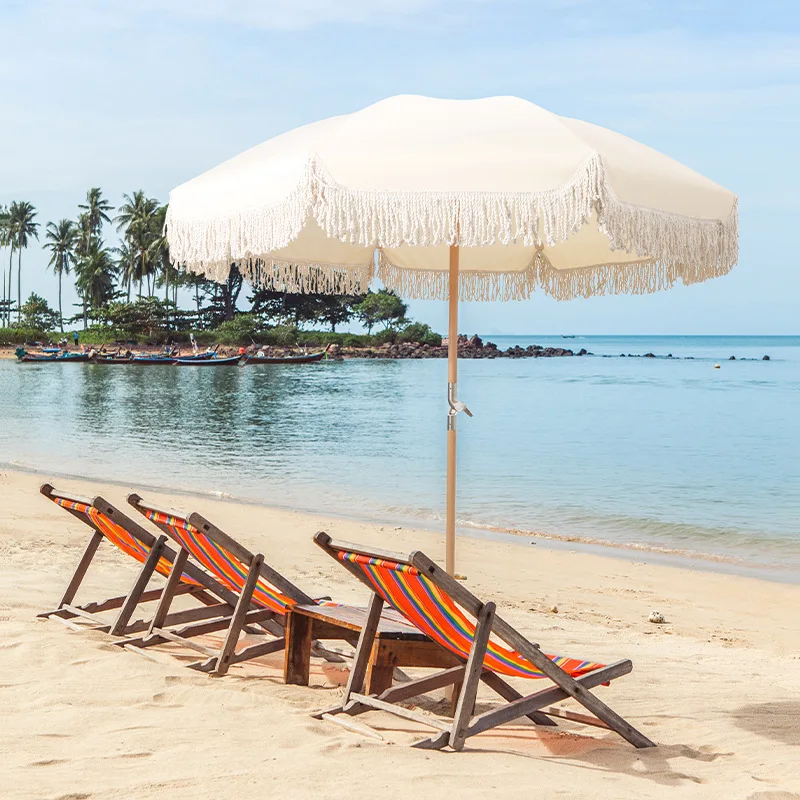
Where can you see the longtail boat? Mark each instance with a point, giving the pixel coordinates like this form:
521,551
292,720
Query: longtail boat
165,360
112,358
207,362
29,358
300,359
207,356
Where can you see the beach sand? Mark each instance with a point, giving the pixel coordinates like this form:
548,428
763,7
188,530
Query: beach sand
717,686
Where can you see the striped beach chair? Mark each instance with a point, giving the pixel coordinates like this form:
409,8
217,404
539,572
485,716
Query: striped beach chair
262,594
489,650
110,525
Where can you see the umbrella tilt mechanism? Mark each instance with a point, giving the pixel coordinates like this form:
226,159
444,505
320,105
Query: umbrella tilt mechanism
456,406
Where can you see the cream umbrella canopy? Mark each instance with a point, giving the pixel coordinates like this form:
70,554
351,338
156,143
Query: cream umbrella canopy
488,199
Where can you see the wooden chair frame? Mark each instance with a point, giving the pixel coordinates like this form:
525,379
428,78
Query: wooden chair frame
465,723
242,612
126,604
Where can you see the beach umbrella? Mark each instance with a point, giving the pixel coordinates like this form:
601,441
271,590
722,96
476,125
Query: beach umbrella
488,199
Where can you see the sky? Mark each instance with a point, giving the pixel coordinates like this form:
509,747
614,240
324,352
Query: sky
147,94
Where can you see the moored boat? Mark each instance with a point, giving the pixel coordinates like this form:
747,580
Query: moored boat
165,360
112,358
299,359
207,362
28,358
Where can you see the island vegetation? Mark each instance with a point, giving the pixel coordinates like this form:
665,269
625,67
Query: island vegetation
130,292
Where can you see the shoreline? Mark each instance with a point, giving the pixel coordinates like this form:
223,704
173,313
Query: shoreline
714,685
631,553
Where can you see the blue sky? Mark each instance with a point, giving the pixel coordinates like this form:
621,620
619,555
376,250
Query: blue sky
147,94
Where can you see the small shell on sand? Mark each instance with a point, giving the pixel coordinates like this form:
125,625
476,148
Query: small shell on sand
553,609
656,617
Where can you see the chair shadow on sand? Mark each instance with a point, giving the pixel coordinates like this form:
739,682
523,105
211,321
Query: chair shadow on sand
778,720
523,739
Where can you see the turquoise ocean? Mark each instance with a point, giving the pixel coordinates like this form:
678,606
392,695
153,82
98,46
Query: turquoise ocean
657,458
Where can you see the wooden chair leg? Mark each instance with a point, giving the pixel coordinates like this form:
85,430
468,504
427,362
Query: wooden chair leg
297,655
358,671
472,676
175,575
140,584
80,571
238,619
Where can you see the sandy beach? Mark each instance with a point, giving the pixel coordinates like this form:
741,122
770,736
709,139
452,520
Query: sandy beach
717,686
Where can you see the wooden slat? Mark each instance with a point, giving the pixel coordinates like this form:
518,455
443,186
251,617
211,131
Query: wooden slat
353,618
139,585
565,713
351,725
405,691
239,614
472,675
173,637
81,569
297,656
546,697
274,577
405,653
364,649
258,650
191,570
168,593
400,711
327,543
508,692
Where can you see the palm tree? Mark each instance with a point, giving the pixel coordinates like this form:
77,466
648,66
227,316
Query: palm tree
126,265
61,240
95,273
95,209
136,221
22,229
83,243
159,248
5,241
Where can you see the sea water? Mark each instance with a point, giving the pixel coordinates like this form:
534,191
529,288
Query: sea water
659,455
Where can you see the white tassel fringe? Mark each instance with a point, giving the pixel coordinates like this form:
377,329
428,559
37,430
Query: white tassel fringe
674,247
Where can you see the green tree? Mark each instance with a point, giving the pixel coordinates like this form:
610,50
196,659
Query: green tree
23,229
6,241
96,209
159,252
136,222
61,238
36,313
95,273
384,307
126,266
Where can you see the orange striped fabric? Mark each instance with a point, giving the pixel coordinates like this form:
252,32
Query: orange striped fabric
435,613
118,536
220,562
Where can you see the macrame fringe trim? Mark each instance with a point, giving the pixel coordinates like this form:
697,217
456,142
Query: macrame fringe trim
673,247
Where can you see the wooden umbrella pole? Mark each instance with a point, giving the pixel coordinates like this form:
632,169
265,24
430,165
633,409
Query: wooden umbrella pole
452,396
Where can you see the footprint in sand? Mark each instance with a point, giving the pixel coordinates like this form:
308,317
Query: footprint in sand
74,796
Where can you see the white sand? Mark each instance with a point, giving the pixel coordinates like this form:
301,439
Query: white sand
718,686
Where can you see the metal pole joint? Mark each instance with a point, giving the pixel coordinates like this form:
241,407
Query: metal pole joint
456,406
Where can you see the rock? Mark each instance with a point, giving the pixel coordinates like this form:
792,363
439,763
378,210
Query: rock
475,342
766,358
649,355
656,617
732,358
582,351
553,609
